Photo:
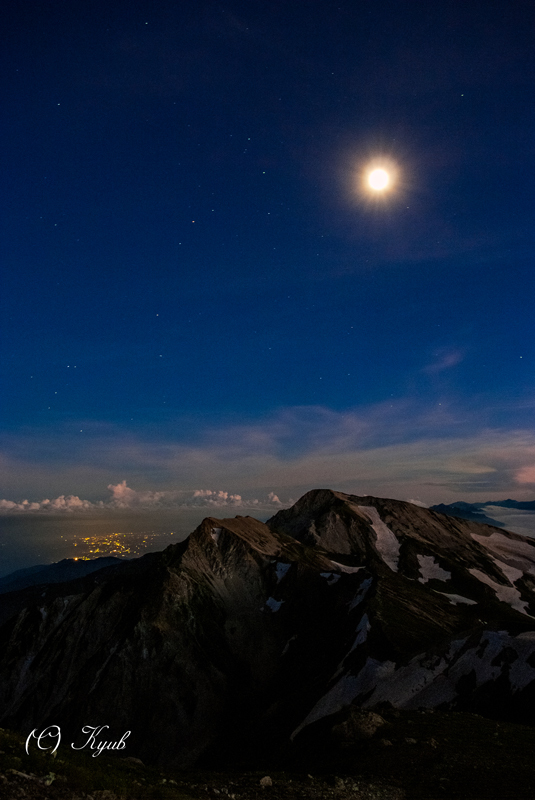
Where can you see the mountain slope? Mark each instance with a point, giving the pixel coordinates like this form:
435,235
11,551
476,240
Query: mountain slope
247,634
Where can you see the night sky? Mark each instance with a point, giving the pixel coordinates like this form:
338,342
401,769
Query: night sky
204,302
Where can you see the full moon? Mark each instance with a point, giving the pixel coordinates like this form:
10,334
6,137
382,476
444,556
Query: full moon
378,179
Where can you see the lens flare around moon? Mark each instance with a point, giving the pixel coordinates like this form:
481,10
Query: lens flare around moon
378,179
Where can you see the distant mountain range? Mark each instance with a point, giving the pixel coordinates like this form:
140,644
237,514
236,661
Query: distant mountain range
473,511
467,511
66,570
251,637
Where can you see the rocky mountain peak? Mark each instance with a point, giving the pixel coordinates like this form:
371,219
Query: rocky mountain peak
408,539
248,634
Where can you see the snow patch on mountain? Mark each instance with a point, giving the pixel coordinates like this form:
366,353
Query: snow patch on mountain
518,554
347,689
432,680
274,605
288,643
363,629
387,543
521,672
430,569
280,570
332,577
414,684
215,533
455,599
481,661
360,595
511,573
345,568
507,594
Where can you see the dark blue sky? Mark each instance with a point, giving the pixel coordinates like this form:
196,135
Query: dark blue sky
197,293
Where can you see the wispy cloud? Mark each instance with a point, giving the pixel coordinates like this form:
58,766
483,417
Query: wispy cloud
526,475
445,358
435,452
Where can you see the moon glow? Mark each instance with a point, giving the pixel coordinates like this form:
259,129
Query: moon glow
378,179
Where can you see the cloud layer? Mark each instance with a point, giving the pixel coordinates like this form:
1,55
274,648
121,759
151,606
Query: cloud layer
437,452
125,498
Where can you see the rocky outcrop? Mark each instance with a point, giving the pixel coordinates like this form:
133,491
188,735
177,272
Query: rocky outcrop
246,634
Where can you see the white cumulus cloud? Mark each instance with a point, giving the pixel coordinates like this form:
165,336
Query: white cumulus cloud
123,497
61,503
217,498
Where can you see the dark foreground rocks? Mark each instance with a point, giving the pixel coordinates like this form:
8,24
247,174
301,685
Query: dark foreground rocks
410,756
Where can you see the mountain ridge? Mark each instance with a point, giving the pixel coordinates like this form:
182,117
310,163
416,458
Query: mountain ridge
59,572
247,634
476,511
